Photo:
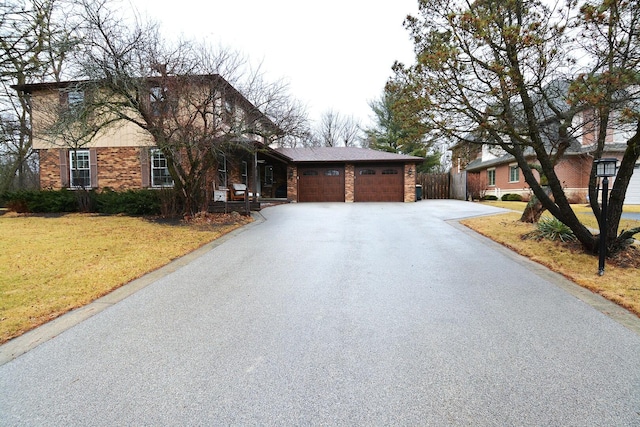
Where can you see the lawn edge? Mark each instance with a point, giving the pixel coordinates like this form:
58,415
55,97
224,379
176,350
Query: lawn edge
607,307
31,339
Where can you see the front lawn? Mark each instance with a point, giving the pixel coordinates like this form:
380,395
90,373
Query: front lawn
50,264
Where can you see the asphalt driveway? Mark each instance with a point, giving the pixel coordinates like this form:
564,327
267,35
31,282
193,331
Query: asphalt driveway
338,314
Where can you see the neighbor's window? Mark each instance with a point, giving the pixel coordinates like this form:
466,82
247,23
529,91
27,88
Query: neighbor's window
80,169
160,176
491,177
514,173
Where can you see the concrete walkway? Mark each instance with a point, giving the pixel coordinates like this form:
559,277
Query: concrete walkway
339,314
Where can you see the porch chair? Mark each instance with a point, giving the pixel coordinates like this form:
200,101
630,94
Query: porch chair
237,192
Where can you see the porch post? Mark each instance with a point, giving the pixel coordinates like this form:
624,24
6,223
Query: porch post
255,176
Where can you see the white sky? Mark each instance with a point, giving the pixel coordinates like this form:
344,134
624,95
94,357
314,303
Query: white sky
336,54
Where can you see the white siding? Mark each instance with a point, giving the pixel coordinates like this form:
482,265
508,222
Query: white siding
633,192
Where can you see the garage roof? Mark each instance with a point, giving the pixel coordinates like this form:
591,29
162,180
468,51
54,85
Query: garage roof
344,154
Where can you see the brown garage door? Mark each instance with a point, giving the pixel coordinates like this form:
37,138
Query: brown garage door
378,183
321,184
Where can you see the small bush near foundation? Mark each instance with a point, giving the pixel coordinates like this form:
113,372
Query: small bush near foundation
131,202
42,201
551,229
489,197
511,197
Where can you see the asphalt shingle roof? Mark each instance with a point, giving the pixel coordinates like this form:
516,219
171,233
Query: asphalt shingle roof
343,154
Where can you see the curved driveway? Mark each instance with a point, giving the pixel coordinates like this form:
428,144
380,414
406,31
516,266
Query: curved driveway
338,314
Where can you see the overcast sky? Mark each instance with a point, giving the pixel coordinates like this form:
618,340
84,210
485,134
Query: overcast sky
335,53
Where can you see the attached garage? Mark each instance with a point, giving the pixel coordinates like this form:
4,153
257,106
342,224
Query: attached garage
318,183
379,183
349,174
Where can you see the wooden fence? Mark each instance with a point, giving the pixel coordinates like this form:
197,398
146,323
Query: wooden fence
434,185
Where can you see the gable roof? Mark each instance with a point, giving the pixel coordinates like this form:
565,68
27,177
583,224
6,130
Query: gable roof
344,154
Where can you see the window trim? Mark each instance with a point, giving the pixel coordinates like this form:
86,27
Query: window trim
268,175
73,166
222,172
152,153
512,168
491,176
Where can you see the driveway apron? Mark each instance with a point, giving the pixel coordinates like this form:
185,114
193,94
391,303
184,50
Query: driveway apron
338,314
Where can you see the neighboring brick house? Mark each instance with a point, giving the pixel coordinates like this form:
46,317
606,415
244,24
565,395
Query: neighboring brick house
501,175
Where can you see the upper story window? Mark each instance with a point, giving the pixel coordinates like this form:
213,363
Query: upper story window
79,169
491,177
71,98
160,176
157,100
514,173
75,98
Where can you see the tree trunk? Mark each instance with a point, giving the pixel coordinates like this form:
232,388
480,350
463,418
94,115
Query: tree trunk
534,209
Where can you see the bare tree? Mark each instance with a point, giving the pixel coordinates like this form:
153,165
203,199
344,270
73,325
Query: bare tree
336,130
34,47
186,95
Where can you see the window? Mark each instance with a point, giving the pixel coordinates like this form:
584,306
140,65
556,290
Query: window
75,98
160,176
367,172
514,173
491,177
244,173
332,172
80,169
157,98
222,172
268,175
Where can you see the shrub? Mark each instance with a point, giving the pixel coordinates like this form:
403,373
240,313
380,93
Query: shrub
489,197
43,201
511,197
551,229
131,202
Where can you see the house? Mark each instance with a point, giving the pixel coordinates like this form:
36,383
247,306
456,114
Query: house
498,172
123,156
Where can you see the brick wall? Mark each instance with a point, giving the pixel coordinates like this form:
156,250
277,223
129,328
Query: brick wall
50,169
349,182
410,182
119,168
